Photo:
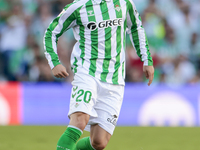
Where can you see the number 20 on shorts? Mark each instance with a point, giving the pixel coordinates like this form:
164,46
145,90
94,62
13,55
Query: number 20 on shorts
82,95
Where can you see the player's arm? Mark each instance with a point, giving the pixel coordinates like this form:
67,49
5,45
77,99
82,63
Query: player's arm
139,40
64,21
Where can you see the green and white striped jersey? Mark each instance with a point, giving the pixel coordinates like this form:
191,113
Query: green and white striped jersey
100,29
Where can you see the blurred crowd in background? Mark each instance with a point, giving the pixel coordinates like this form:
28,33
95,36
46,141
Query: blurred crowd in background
172,28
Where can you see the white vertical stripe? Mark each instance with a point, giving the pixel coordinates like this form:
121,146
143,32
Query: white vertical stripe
87,35
76,50
47,55
101,42
129,24
111,69
122,54
54,45
76,31
124,69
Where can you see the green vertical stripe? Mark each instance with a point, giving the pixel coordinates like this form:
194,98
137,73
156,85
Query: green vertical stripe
123,70
134,31
82,42
135,36
67,22
82,37
94,40
48,42
125,26
150,61
119,44
106,61
75,64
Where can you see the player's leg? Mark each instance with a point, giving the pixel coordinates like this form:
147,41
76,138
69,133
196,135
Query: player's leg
78,121
108,105
98,139
83,96
84,144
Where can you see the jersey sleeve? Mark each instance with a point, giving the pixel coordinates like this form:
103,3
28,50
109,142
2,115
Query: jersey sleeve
65,20
137,34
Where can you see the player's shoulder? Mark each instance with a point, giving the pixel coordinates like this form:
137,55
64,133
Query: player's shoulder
130,3
127,2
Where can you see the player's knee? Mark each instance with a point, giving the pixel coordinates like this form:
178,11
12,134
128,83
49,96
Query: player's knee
79,120
99,144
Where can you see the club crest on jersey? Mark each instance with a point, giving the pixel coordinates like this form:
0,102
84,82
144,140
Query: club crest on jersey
104,24
117,8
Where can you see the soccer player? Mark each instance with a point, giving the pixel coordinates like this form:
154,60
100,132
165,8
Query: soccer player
98,63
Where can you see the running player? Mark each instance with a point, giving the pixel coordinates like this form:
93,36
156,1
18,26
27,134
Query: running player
98,63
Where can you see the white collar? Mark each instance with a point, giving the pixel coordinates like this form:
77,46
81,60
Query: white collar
99,1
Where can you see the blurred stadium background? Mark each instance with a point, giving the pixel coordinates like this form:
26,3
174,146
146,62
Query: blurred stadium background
30,95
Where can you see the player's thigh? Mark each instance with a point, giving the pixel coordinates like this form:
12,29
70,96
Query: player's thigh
99,136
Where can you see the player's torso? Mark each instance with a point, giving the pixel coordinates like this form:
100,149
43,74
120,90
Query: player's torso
101,23
107,14
100,34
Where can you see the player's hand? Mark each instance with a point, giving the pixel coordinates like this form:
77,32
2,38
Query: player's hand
149,73
59,71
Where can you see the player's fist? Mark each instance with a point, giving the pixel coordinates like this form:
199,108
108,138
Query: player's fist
149,73
59,71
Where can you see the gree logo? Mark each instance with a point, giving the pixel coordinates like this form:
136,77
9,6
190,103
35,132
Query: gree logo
92,26
104,24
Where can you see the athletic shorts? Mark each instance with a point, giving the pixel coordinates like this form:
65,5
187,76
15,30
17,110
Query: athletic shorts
101,100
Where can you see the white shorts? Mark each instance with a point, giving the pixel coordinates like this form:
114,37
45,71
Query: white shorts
101,100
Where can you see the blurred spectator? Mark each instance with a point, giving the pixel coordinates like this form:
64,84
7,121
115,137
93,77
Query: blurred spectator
152,21
184,25
41,21
172,28
13,41
194,55
181,71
